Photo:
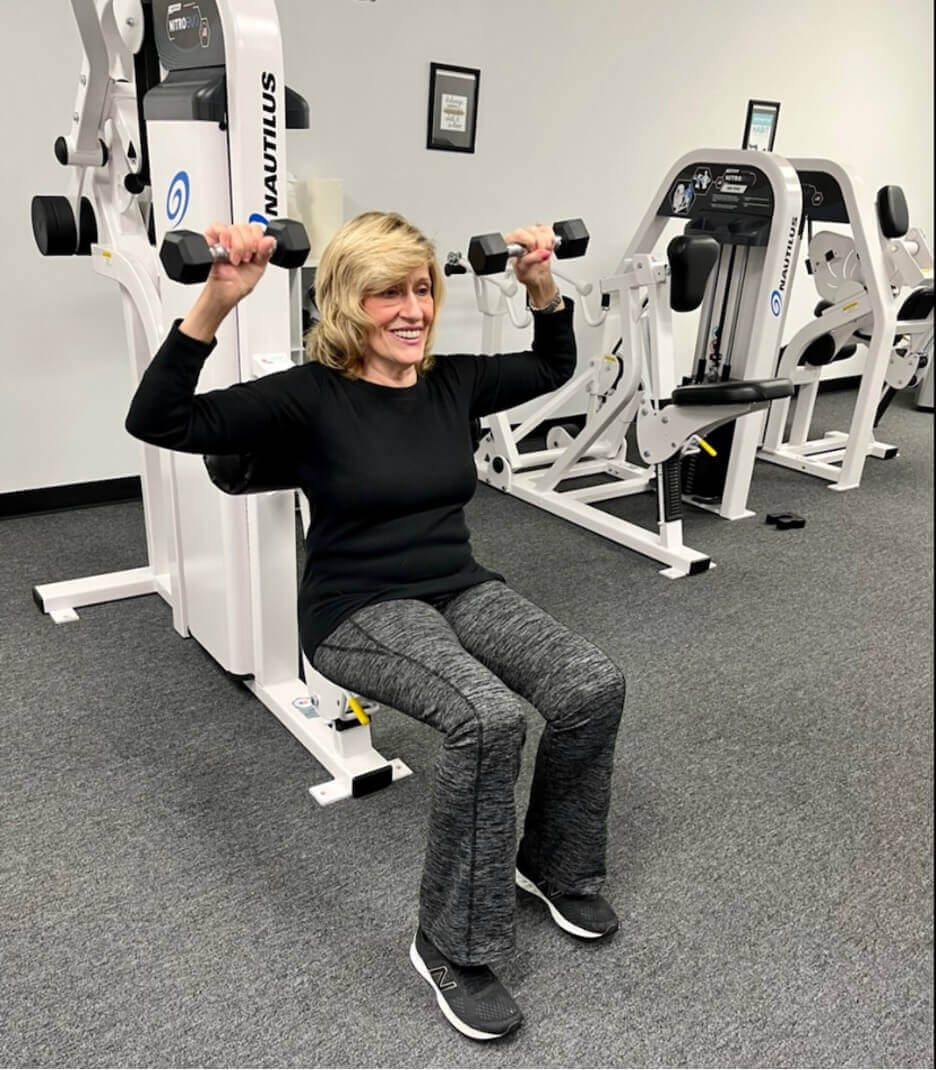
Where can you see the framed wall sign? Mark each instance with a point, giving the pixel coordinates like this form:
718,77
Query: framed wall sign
453,107
760,126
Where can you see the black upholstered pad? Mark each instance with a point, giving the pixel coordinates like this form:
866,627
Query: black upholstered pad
918,304
733,392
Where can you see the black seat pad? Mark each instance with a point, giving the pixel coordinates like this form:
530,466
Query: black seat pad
733,392
918,304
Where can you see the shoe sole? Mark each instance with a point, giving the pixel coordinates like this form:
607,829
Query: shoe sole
584,934
445,1008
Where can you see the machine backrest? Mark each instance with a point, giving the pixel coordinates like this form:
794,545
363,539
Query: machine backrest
892,211
691,259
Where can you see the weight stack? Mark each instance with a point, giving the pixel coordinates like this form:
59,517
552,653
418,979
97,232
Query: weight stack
703,476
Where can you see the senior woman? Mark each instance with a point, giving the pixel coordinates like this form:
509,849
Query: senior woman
392,602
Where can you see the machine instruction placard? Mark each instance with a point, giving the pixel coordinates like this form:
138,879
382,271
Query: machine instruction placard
705,187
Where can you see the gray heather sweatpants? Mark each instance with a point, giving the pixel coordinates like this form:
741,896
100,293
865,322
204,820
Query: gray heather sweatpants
459,666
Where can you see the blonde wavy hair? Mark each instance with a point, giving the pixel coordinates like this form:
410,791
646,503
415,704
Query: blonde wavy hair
369,254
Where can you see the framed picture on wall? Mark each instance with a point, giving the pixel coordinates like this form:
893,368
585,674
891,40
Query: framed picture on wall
760,126
453,107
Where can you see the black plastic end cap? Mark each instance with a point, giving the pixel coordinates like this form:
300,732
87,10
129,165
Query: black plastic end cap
37,598
368,783
61,151
135,183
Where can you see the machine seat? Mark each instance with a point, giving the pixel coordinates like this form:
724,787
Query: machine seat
733,392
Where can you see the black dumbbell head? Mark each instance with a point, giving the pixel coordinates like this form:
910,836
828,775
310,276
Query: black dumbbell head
574,235
185,256
487,254
292,243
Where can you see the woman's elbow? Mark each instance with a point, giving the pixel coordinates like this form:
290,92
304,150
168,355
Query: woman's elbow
138,427
567,370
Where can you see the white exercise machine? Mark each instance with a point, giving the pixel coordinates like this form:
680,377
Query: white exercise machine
741,216
181,118
859,330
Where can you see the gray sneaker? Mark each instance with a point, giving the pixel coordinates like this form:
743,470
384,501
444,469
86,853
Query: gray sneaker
471,997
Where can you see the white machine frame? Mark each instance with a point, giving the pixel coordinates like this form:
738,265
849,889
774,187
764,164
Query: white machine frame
633,385
225,564
870,271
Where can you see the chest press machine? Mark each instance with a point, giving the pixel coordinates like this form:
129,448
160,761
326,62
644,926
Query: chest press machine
181,115
742,216
859,279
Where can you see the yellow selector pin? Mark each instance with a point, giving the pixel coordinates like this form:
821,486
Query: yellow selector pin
708,449
358,710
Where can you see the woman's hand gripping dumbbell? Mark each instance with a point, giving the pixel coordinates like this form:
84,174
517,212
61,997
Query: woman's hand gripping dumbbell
190,257
489,253
230,259
532,247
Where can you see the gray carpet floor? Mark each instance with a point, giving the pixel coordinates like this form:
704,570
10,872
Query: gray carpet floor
171,895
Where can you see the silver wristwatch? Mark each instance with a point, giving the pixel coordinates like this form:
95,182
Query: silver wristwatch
551,305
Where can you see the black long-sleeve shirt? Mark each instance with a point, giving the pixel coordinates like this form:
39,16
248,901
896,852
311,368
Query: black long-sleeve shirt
388,470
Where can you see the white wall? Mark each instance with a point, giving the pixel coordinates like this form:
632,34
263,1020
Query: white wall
582,109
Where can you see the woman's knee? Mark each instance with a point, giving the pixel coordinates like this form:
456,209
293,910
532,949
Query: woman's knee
597,689
488,722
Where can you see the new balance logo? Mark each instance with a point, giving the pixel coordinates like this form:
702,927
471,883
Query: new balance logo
440,974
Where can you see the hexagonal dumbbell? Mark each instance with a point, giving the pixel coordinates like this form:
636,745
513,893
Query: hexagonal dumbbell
489,253
571,238
187,256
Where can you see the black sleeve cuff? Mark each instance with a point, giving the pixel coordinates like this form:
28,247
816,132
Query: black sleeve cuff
562,316
184,343
554,327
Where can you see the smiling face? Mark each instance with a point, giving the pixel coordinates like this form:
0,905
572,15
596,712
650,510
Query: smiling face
402,315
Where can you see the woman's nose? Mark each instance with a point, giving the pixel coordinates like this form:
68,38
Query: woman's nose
411,307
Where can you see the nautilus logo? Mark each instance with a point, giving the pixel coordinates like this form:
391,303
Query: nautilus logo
776,303
177,199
